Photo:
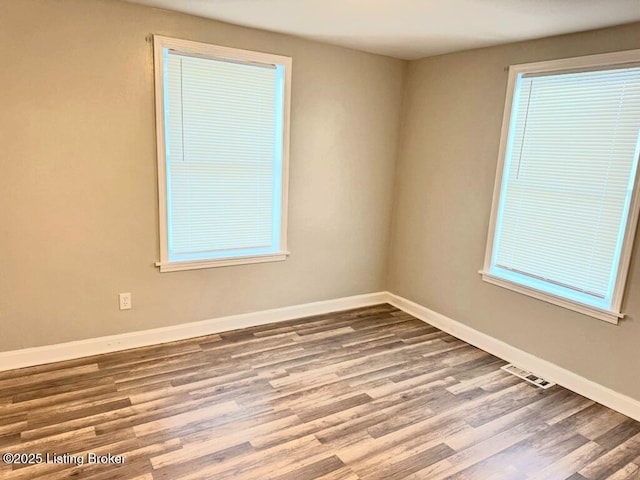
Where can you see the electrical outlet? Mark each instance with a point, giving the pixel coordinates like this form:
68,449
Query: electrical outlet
125,301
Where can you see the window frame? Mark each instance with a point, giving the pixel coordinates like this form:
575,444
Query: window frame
221,53
589,62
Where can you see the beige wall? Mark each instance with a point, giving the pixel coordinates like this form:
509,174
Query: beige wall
454,105
78,185
78,178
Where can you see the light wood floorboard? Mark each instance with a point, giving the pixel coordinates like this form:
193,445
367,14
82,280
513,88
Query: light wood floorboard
364,394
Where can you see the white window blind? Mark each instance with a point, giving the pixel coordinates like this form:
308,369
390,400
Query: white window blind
223,131
568,182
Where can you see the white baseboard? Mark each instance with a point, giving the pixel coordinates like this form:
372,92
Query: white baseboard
587,388
83,348
94,346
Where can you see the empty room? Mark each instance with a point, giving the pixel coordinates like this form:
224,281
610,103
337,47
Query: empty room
333,240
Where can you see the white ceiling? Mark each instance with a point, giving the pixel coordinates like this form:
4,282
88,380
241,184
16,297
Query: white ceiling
413,28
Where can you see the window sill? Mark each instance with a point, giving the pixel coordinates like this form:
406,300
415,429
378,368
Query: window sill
222,262
606,315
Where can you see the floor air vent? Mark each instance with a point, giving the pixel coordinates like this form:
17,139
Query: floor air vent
528,376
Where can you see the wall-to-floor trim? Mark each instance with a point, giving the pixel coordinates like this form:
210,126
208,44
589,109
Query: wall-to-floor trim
587,388
94,346
84,348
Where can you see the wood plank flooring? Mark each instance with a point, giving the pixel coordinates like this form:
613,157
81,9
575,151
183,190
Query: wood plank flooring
364,394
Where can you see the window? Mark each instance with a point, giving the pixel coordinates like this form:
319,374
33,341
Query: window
222,118
565,204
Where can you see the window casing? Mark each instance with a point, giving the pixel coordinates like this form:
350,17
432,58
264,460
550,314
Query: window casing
565,204
222,121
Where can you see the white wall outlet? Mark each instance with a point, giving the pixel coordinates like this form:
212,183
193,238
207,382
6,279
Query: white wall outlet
125,301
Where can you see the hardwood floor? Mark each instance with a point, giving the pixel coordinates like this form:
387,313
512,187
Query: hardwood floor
364,394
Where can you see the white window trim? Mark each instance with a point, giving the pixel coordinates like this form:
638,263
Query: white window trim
590,61
229,54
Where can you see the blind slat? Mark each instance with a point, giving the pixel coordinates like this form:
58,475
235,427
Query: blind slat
222,163
566,185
